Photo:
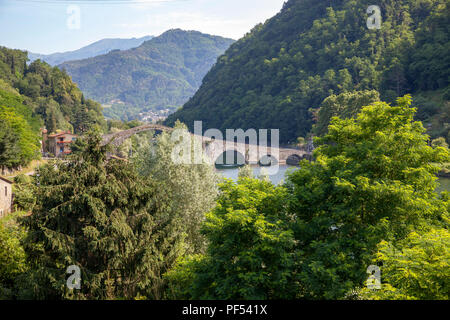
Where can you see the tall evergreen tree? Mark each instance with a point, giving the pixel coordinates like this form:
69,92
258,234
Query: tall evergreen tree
99,215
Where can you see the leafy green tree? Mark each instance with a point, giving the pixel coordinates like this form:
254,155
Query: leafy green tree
439,142
13,262
186,191
9,147
249,253
246,172
19,144
301,142
416,268
373,179
344,105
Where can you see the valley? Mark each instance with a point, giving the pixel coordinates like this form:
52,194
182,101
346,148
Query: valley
331,184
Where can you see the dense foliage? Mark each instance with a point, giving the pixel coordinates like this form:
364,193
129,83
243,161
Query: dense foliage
13,262
163,72
188,191
416,268
367,199
373,180
139,228
49,93
344,105
19,141
312,49
250,252
33,96
124,223
98,215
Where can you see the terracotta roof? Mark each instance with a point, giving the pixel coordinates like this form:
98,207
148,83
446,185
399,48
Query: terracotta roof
6,180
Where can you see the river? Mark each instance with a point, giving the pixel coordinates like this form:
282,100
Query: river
276,178
281,175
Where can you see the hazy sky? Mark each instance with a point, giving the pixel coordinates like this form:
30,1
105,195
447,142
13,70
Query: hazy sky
47,26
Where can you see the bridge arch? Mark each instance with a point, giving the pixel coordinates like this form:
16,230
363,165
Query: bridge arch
119,138
267,160
230,157
293,159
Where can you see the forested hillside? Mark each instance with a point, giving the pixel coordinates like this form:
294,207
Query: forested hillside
34,96
162,73
280,73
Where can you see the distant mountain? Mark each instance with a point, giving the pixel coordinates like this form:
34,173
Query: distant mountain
92,50
162,73
280,73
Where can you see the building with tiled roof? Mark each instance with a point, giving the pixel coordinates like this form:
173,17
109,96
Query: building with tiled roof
58,144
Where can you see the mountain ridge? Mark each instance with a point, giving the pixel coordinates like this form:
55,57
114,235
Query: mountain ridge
96,48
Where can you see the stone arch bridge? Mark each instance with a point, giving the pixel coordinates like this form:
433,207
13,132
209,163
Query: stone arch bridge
214,149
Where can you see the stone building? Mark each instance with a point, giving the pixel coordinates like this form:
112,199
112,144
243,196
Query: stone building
58,144
5,196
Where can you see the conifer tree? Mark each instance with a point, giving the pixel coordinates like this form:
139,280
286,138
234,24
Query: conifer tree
98,214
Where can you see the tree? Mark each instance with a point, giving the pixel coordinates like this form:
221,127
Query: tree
20,144
24,192
13,262
301,142
416,268
345,105
249,253
373,180
246,172
439,142
98,214
188,191
9,147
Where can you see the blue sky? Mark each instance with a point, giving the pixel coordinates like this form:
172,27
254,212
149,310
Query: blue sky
47,26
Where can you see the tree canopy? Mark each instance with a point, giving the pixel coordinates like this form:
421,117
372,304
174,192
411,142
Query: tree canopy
368,199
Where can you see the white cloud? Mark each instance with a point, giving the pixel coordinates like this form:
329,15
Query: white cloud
159,23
